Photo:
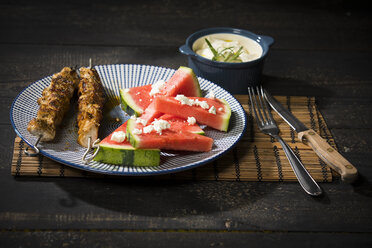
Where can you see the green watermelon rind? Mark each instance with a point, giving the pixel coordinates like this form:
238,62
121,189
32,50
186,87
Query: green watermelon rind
127,155
200,133
133,139
188,70
226,117
128,104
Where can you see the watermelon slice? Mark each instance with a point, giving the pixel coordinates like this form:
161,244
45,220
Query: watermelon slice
138,99
135,100
172,138
183,81
214,113
123,153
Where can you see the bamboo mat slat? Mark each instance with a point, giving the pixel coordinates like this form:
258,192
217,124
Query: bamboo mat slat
256,157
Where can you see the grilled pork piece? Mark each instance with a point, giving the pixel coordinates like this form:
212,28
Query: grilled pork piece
91,101
53,104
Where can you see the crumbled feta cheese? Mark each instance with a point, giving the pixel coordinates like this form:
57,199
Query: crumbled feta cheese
133,117
212,110
157,87
137,131
138,93
220,109
191,120
211,95
203,104
160,125
126,90
191,102
148,129
118,136
142,121
183,100
140,100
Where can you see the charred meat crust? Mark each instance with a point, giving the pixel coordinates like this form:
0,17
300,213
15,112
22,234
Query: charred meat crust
53,104
91,101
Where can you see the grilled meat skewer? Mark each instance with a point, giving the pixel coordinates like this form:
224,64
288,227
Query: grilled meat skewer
53,104
91,101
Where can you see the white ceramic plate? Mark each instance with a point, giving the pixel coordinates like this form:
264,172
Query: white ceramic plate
64,149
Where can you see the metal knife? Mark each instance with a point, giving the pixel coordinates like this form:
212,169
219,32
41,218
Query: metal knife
308,136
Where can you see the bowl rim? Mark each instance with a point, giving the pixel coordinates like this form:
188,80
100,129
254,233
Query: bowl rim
264,41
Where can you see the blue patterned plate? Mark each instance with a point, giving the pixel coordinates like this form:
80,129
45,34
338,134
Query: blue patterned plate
64,149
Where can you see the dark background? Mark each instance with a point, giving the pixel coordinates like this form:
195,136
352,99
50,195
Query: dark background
322,49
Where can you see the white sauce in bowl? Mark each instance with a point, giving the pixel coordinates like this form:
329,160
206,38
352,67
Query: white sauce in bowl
251,49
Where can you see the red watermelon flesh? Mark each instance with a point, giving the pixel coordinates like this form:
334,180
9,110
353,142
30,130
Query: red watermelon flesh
173,138
108,140
179,122
143,98
182,124
135,100
219,120
138,99
183,81
151,113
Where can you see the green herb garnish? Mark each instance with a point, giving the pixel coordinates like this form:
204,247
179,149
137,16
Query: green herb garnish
226,55
215,53
235,57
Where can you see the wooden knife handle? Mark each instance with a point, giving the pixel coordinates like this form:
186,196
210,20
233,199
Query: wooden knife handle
329,155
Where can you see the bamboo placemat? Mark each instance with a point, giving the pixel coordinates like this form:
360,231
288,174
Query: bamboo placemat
256,157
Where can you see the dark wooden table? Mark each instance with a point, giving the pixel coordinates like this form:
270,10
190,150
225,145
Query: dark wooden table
322,49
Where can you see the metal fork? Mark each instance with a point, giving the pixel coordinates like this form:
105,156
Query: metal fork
265,122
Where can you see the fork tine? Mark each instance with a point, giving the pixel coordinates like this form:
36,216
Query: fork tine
259,116
266,119
267,106
252,107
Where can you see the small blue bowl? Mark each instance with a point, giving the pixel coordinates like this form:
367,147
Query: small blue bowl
234,77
